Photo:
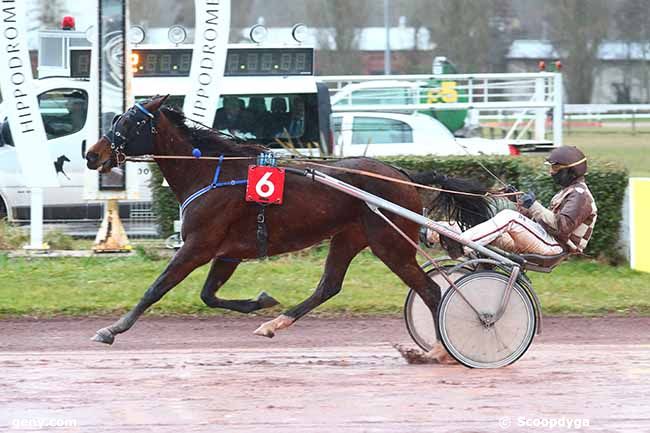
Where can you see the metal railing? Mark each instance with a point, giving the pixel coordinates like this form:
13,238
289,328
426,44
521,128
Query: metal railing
518,96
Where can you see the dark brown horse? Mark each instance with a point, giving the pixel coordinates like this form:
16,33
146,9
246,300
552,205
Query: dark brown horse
220,226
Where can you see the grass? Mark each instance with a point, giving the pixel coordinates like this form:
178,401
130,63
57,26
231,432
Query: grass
632,150
97,286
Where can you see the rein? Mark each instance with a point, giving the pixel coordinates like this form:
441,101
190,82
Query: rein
118,146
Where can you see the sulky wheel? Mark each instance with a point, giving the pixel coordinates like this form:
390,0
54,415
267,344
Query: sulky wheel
419,320
468,339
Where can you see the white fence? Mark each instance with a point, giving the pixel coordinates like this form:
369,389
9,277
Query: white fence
607,111
525,98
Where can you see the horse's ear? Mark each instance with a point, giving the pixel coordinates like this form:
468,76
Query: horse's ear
156,103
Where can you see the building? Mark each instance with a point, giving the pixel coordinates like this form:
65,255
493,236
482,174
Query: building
622,73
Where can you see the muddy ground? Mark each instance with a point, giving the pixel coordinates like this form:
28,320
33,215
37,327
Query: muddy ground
321,375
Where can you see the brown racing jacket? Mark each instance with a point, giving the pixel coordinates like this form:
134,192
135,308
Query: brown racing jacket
571,217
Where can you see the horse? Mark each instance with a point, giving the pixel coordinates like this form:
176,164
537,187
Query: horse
221,227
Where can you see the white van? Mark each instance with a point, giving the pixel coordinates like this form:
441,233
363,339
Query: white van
63,104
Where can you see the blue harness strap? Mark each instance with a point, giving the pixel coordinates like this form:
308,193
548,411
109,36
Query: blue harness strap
215,184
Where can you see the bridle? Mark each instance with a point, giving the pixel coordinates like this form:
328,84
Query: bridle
141,140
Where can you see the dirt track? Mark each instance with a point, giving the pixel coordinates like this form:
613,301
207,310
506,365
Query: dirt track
200,375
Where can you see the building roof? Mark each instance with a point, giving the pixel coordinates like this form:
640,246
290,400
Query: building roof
609,50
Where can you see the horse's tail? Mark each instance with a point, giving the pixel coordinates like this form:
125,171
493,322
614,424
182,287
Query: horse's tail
467,210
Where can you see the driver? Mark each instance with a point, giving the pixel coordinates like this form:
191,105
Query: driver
565,227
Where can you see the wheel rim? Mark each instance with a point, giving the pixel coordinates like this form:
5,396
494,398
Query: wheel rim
466,337
420,322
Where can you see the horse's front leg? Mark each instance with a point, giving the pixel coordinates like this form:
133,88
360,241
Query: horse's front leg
343,248
186,259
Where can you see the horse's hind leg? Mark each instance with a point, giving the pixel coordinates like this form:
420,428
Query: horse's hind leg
344,246
220,272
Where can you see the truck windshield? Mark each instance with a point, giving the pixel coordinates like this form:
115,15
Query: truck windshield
273,120
64,111
270,119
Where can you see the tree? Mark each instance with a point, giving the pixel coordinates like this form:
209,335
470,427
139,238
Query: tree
576,29
475,36
342,22
46,14
165,13
632,19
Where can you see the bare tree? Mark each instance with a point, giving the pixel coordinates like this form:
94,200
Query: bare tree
576,29
473,35
342,22
632,18
165,13
47,14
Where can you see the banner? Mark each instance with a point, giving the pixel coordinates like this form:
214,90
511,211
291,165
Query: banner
639,208
20,101
212,28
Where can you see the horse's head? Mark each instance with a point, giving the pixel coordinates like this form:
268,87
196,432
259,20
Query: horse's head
130,135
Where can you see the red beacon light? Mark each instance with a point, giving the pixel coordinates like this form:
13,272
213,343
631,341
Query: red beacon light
67,23
541,65
558,65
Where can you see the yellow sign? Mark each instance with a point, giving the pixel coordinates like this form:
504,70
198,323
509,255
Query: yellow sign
639,227
446,93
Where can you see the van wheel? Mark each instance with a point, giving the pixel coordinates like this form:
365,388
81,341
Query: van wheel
3,209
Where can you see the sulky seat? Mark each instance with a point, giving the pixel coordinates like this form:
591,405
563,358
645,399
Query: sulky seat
540,263
532,262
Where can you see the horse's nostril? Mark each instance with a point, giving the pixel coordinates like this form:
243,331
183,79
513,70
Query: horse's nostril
92,160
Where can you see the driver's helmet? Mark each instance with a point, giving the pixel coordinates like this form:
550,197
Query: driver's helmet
568,163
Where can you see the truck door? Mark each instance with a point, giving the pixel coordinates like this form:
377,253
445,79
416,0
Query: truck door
64,111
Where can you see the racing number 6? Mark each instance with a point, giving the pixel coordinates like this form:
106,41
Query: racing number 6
265,183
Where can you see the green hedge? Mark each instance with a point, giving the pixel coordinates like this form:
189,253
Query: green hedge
165,205
606,180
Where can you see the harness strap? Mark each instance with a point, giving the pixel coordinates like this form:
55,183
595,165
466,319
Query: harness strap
144,110
215,184
262,233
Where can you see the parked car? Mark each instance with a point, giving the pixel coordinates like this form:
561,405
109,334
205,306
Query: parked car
387,134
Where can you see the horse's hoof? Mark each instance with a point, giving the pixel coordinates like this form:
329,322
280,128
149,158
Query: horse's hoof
266,301
264,331
104,336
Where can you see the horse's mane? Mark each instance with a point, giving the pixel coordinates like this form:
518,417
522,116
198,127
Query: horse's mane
211,142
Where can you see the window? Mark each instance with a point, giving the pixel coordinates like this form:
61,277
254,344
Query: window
378,96
64,111
270,118
337,126
373,130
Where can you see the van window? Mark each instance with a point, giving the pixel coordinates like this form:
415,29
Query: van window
270,119
64,111
373,130
337,126
386,95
